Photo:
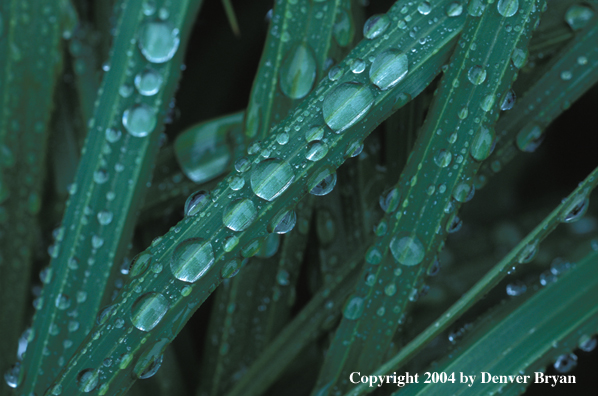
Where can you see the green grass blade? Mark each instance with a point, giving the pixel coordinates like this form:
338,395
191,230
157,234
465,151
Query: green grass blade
526,334
28,63
565,80
232,18
522,253
114,169
418,219
197,277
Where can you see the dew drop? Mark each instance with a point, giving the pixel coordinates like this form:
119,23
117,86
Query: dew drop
236,183
298,72
346,105
516,288
565,363
424,8
463,192
87,380
316,150
239,214
100,176
284,222
578,16
454,10
482,144
270,178
519,57
407,250
575,210
335,73
475,8
196,202
191,259
375,26
476,75
354,149
343,29
529,138
353,308
487,103
282,138
507,8
139,120
148,310
587,344
528,253
158,41
508,101
62,302
314,133
388,68
373,256
389,200
242,165
150,360
105,217
230,269
113,135
148,82
325,183
443,158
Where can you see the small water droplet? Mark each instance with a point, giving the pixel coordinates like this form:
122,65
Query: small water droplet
105,217
565,363
482,144
87,380
516,288
508,101
316,150
375,26
454,9
242,165
407,250
284,222
325,183
314,133
528,253
424,8
62,302
335,73
148,82
476,75
298,72
587,343
196,202
191,259
389,200
236,183
373,256
529,138
519,57
388,69
443,158
343,29
507,8
282,138
463,192
113,135
230,269
140,264
475,8
158,41
575,210
353,308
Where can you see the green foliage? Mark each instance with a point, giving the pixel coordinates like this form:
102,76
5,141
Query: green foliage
292,268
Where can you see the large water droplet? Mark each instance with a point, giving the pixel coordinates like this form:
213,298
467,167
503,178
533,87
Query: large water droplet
148,81
375,26
298,72
346,105
139,120
353,308
191,259
148,310
239,214
388,68
87,380
407,250
270,178
507,8
284,222
482,144
424,8
158,41
475,8
196,202
325,182
578,16
476,75
316,150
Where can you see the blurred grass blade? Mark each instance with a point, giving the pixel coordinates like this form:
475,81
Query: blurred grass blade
29,62
523,253
99,219
457,135
565,80
232,18
526,334
190,261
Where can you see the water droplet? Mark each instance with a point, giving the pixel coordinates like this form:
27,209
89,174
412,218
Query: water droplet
148,310
388,68
100,176
62,302
282,138
424,8
125,90
375,26
105,217
150,360
578,16
519,57
516,288
357,66
269,246
335,73
97,241
242,165
236,183
463,113
507,8
316,150
139,120
528,253
148,82
587,344
149,7
196,202
191,259
529,138
565,363
454,224
407,250
443,158
298,72
140,264
476,75
230,269
475,8
353,308
270,178
508,101
284,222
56,390
343,29
346,105
454,9
11,376
463,192
434,268
487,103
373,256
575,210
239,214
325,183
158,41
482,144
230,243
87,380
113,135
389,200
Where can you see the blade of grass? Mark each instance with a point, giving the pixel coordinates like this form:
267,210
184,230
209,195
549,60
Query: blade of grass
526,333
417,219
565,80
528,246
198,275
29,63
232,18
99,218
